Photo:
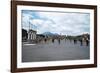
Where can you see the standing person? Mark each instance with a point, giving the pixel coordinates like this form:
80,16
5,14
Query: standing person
45,40
87,42
75,41
53,40
59,40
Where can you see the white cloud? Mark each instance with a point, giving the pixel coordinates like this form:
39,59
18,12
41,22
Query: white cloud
65,23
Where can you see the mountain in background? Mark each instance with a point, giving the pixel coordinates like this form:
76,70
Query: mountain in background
49,33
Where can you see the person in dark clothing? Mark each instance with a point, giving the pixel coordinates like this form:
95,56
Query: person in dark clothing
87,42
75,41
81,42
45,40
53,40
59,41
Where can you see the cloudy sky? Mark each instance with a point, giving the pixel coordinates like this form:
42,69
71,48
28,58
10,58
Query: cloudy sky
66,23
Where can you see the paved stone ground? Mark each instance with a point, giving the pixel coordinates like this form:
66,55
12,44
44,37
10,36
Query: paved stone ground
49,51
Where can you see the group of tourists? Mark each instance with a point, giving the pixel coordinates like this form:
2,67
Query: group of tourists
75,41
82,41
53,40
